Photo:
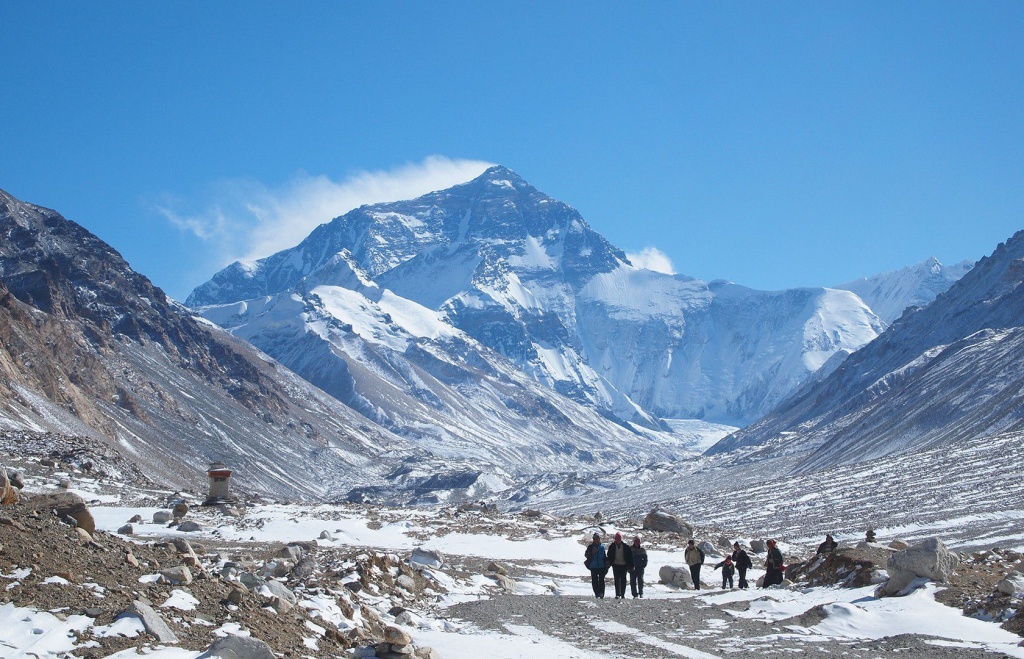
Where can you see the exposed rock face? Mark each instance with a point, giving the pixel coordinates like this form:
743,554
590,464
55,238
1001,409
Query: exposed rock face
928,559
90,347
660,520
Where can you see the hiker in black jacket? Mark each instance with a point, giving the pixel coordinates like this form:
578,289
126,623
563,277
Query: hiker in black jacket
742,562
620,557
727,570
636,577
774,565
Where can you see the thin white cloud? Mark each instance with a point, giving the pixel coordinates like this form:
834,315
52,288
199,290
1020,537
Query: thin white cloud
248,220
652,258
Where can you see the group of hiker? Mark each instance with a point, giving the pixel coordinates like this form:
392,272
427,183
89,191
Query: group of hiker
625,559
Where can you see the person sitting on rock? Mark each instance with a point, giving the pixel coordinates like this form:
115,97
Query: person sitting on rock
727,571
742,562
620,557
829,546
597,562
636,577
773,565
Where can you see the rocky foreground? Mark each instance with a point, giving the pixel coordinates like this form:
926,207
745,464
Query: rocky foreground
210,581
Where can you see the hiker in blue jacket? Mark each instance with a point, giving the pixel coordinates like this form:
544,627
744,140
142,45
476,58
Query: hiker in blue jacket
597,562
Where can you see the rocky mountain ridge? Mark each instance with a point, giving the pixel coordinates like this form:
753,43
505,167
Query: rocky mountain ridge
941,374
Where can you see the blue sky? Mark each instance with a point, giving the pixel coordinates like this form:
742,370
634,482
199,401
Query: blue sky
773,144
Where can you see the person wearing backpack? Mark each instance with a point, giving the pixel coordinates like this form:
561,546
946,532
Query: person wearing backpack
620,557
742,562
694,557
773,565
636,577
596,561
727,571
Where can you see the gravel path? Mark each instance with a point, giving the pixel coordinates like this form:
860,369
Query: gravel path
678,627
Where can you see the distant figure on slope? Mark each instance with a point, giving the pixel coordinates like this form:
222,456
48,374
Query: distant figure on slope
742,562
620,557
636,577
829,546
597,562
727,571
773,565
694,557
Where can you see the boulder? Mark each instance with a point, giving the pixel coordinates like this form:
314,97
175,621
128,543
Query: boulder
324,535
848,567
16,479
1011,585
396,636
280,567
427,653
928,559
8,493
679,577
238,647
758,546
508,584
162,517
136,519
152,622
709,549
1019,567
279,590
291,552
426,558
660,520
406,582
127,529
177,575
66,504
899,544
188,526
180,509
497,568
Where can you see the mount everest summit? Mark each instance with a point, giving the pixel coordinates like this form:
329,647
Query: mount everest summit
496,266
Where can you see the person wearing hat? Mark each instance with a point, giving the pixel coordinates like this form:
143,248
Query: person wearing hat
636,577
742,562
597,562
773,565
620,557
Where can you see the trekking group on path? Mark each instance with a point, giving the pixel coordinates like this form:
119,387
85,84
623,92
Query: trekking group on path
624,559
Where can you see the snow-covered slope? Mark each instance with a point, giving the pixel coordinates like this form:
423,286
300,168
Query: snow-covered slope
889,294
523,275
941,374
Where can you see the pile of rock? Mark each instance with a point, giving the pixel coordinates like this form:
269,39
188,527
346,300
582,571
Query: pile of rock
397,644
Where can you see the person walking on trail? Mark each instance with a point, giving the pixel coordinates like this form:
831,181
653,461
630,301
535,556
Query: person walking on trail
694,557
727,571
620,557
636,577
773,565
742,562
597,562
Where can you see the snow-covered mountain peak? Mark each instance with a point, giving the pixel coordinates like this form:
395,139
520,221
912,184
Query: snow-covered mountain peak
889,294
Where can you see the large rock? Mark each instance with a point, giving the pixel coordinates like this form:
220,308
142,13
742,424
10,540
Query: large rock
239,647
8,494
679,577
508,584
659,520
1011,585
66,503
162,517
279,590
847,568
152,622
758,546
177,575
928,559
397,636
426,558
